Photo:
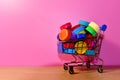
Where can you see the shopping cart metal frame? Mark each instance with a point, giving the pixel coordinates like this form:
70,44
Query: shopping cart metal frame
97,47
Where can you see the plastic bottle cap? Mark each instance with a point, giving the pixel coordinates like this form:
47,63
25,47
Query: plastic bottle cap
66,26
77,30
89,36
84,23
68,45
82,32
60,47
80,47
65,34
91,30
69,51
103,27
74,27
73,36
58,37
81,36
90,52
94,26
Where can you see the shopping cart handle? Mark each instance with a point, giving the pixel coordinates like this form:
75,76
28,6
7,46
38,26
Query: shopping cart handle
103,27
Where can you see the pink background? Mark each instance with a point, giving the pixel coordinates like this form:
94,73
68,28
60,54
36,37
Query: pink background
28,29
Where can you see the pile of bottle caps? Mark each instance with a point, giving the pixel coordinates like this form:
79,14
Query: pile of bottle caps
78,39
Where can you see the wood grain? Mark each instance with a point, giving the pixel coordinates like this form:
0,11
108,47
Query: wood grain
58,73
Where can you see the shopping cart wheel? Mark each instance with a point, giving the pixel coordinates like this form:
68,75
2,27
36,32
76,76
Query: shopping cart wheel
65,66
88,65
100,69
71,71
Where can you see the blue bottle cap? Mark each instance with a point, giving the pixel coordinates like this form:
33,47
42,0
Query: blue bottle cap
90,52
77,30
81,36
103,27
84,23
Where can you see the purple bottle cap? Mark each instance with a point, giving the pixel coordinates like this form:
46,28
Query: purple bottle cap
73,36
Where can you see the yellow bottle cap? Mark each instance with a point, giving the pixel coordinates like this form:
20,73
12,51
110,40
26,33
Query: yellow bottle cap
81,47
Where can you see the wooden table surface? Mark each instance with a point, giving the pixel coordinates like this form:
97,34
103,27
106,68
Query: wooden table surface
58,73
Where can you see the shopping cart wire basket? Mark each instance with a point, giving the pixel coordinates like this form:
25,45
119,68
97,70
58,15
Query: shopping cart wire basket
83,39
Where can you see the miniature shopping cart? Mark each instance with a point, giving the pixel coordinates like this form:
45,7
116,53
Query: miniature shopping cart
84,47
